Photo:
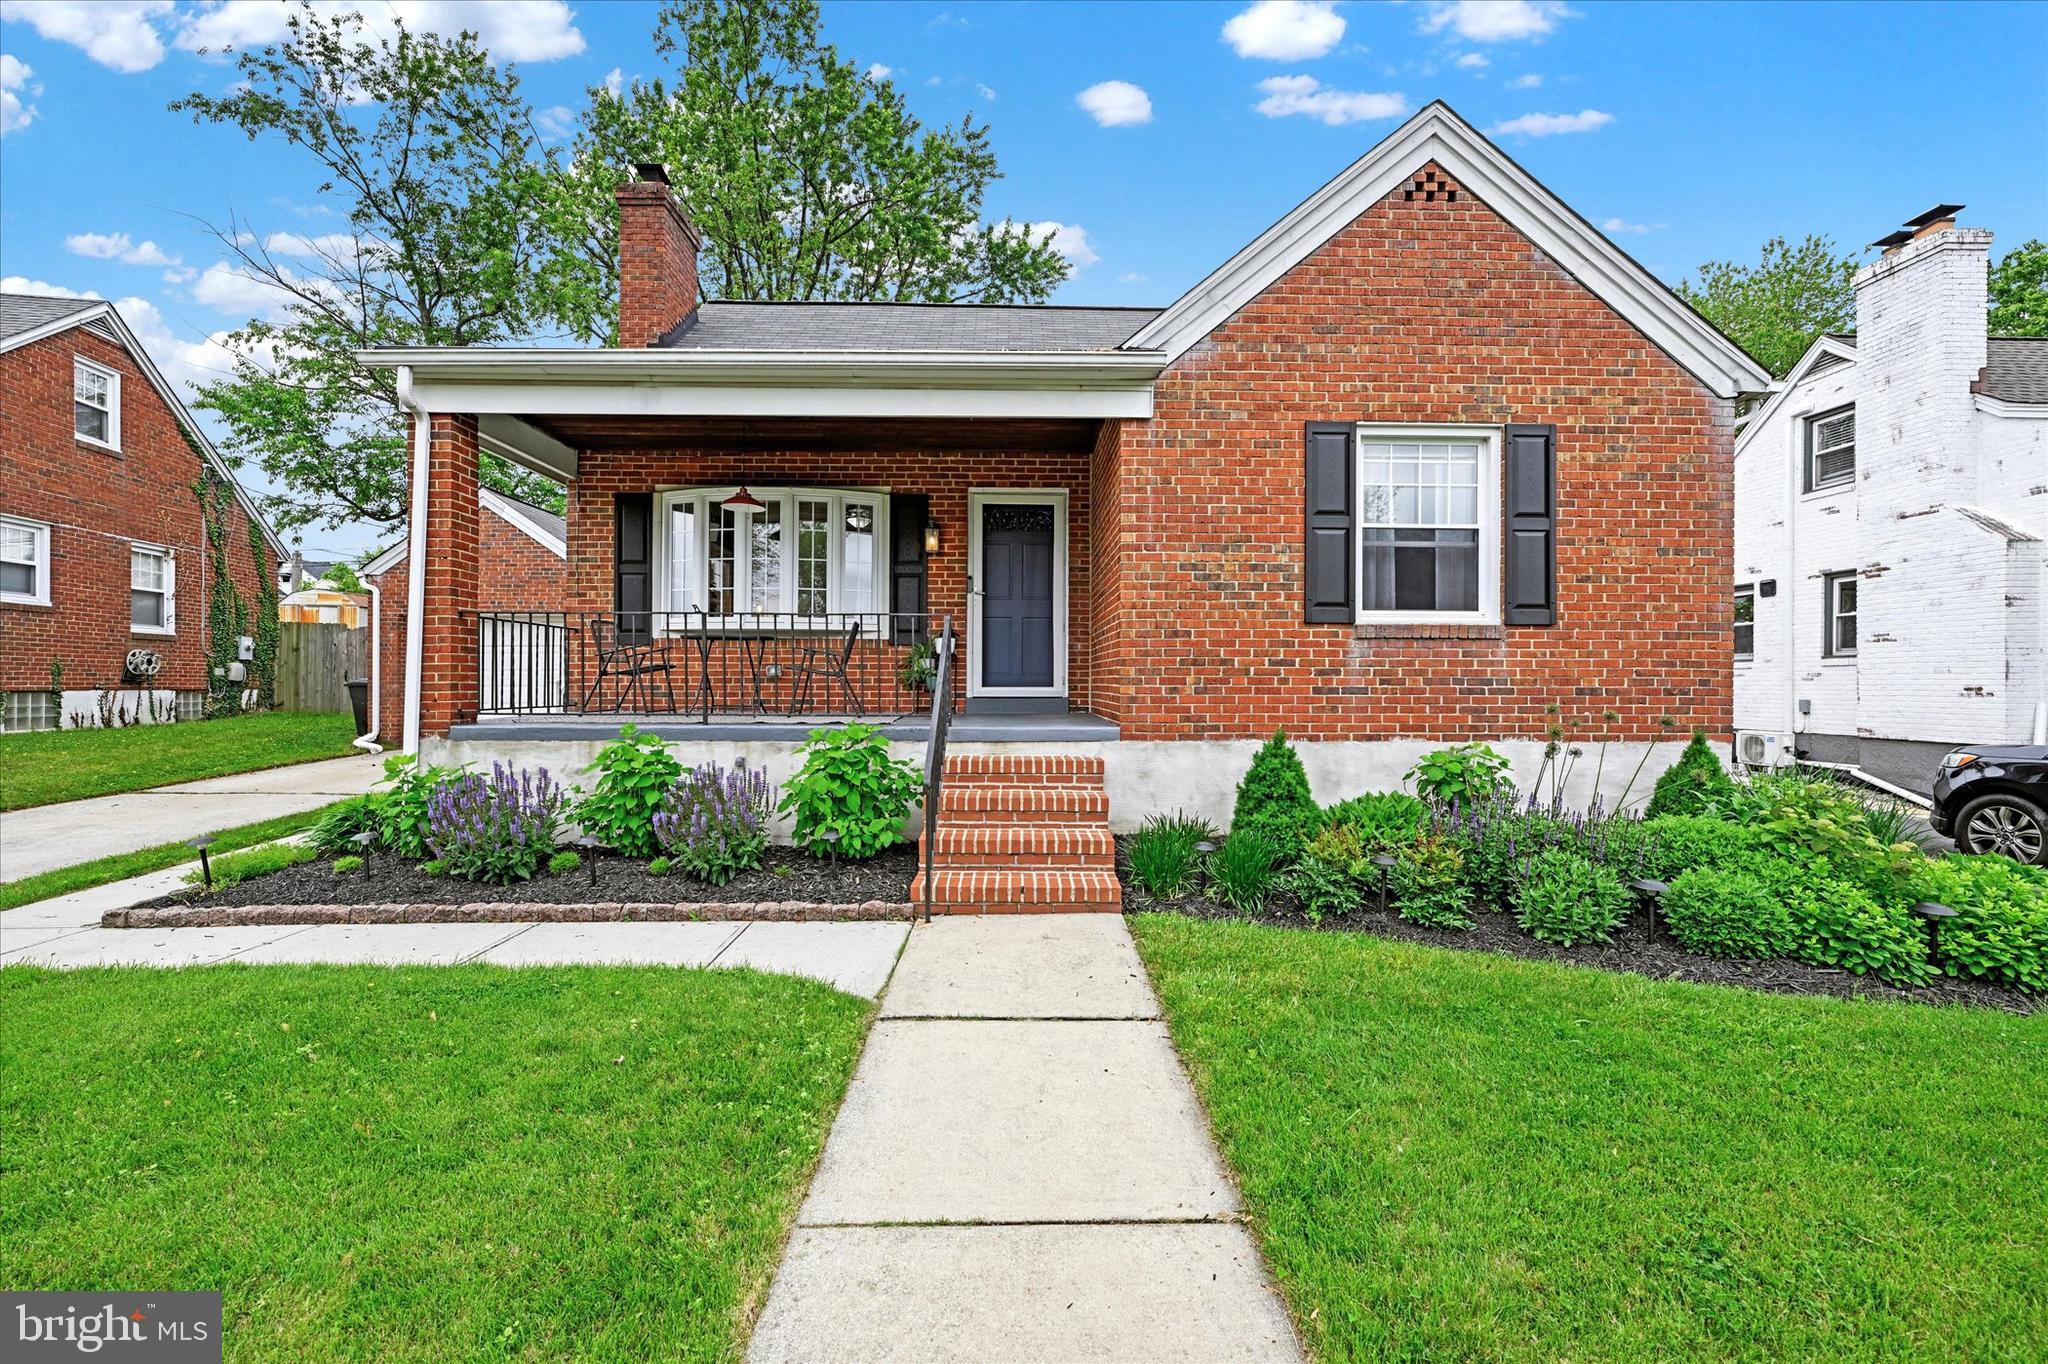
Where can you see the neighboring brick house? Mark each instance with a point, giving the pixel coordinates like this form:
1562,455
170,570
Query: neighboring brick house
521,554
1891,509
1429,460
103,562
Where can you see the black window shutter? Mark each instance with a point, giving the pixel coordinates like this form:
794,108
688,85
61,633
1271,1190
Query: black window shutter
908,515
1330,576
633,594
1530,526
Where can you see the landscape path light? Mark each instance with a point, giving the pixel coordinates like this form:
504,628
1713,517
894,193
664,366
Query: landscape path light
1385,863
1934,912
203,842
1652,894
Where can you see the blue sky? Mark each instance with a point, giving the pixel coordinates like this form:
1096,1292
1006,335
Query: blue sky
1690,132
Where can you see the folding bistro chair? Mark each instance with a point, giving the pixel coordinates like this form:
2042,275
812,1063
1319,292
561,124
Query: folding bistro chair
822,659
635,667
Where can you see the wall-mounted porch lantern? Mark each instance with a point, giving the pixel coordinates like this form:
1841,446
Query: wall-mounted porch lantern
931,537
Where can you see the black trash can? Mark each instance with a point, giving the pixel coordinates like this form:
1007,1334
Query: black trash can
359,701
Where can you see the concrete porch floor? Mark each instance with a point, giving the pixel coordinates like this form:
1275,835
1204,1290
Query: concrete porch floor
1063,728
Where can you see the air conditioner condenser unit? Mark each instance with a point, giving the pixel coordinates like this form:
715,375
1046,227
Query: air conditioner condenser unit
1763,748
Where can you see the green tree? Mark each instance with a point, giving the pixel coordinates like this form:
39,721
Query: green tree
1775,308
426,152
2019,291
809,179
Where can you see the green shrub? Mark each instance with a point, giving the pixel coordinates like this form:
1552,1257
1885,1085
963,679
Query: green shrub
1694,784
1676,844
433,866
1836,923
1428,882
635,772
1382,818
337,829
1464,774
2000,930
1162,853
247,866
850,786
1567,898
1243,871
1333,873
564,862
1727,912
660,866
344,865
404,807
1273,800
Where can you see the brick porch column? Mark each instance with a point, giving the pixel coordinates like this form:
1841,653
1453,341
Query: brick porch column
448,663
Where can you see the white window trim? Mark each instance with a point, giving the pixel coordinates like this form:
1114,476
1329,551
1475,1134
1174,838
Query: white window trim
41,531
1831,588
113,378
1056,498
170,590
744,604
1489,440
1809,430
1745,590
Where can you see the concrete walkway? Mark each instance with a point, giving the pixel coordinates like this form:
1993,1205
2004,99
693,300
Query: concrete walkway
1021,1172
52,836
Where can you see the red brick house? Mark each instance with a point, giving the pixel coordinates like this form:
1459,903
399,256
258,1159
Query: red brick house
105,566
1429,460
522,567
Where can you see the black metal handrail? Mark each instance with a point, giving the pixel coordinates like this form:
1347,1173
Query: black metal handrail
935,754
766,665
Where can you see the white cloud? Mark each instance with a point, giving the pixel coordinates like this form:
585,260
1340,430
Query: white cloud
22,284
1528,82
947,19
1493,21
983,91
880,72
1285,30
1116,104
116,33
226,289
15,89
934,80
615,81
116,246
554,121
184,274
1618,226
1545,125
1473,61
1305,95
1132,277
326,246
1070,240
510,30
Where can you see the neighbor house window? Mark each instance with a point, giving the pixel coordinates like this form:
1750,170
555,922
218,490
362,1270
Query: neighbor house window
151,608
1840,639
1745,620
24,562
95,403
1831,449
1427,524
804,553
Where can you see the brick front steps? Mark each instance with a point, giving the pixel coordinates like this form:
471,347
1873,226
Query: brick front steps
1022,834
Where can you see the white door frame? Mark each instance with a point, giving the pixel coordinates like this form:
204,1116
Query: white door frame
1056,498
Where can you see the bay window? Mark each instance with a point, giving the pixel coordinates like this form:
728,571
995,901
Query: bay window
805,553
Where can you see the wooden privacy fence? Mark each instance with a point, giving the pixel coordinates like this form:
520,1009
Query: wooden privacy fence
315,662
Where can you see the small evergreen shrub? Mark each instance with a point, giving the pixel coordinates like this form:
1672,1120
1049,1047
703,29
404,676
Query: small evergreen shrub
1273,800
1727,912
1696,784
1428,883
715,824
1162,853
344,865
634,774
1243,871
849,785
2000,931
564,862
1463,774
496,829
1567,898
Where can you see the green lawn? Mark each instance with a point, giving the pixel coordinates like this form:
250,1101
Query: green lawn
121,866
71,764
420,1164
1456,1156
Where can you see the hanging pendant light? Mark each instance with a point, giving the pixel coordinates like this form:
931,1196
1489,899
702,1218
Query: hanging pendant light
743,498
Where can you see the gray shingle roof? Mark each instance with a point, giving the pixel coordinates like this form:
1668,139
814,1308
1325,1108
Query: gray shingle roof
2016,369
546,522
993,328
26,312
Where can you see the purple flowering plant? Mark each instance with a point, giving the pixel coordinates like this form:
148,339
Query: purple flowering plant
714,823
497,828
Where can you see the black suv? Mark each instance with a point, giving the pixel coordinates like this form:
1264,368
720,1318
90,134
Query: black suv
1994,798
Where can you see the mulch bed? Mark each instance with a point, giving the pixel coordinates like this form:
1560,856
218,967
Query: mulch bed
785,875
1633,950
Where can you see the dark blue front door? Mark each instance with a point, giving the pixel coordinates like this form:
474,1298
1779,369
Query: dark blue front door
1016,603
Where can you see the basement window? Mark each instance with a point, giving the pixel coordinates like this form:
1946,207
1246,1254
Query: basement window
1839,637
95,404
29,711
1831,449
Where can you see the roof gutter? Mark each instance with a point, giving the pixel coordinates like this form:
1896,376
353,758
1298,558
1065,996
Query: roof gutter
864,368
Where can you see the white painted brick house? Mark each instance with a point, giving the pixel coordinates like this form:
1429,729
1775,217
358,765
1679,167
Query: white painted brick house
1891,504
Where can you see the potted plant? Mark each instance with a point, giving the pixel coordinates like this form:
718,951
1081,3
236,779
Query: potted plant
920,670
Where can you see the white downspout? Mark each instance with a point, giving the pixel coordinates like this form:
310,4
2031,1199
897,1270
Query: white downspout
416,560
1795,476
368,742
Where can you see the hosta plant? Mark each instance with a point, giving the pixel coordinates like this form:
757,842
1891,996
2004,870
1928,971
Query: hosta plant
1463,774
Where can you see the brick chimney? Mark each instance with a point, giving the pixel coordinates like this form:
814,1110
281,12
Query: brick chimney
657,259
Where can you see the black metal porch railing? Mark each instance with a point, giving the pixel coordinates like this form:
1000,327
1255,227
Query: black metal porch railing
761,665
935,756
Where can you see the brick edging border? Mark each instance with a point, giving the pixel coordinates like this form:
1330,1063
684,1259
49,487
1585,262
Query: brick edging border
503,912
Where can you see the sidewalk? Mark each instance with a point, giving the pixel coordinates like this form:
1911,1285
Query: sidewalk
1021,1172
47,837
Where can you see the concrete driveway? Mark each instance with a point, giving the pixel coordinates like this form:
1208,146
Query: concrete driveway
52,836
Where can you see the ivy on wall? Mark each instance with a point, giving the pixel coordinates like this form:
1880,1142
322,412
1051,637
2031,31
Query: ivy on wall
228,616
